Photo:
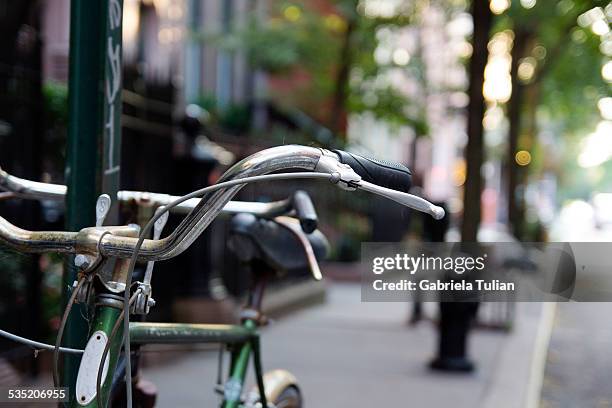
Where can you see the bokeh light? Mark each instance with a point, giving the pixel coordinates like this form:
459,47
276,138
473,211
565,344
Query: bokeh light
292,13
522,158
606,71
528,3
401,56
499,6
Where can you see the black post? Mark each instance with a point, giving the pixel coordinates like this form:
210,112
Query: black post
455,317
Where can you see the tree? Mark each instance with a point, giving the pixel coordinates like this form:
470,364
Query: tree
327,47
539,31
474,151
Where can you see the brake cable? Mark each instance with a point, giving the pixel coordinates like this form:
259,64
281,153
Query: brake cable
37,345
60,332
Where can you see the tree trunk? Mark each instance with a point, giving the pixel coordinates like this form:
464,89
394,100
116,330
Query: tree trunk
337,120
521,39
474,152
530,128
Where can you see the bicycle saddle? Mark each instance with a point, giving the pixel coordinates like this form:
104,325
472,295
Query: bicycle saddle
252,238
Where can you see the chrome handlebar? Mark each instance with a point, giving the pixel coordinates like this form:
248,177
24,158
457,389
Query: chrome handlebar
108,242
36,241
291,157
29,189
259,209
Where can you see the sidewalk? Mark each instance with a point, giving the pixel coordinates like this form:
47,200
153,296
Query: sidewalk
351,354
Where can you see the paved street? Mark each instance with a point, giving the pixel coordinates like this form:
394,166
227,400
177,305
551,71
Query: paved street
351,354
578,363
579,358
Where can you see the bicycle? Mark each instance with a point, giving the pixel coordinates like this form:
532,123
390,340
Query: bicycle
96,246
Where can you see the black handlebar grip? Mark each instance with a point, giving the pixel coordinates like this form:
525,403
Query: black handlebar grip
380,172
305,211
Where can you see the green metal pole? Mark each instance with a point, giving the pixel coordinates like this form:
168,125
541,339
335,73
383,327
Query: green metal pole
94,136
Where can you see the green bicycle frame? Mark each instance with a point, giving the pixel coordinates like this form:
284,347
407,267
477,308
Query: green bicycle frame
104,320
240,361
242,339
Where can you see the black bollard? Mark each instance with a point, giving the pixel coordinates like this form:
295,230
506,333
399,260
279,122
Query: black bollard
453,327
455,317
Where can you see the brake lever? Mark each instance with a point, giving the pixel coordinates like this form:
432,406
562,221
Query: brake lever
294,226
347,179
144,301
103,205
408,200
158,227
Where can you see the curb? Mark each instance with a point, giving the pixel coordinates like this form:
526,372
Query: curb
538,362
519,367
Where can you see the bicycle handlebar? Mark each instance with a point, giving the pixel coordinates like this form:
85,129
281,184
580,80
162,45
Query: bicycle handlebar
29,189
383,173
305,211
45,241
109,243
